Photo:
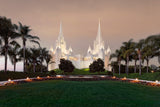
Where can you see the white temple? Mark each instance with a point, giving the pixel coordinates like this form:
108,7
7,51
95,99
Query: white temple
80,61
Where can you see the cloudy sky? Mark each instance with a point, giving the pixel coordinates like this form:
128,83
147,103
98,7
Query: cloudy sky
120,20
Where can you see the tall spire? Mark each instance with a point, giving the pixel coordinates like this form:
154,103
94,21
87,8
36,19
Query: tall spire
99,33
60,31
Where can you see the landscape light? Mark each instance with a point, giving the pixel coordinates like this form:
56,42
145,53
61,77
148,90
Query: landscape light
58,76
9,80
48,76
38,77
136,79
152,71
156,81
28,79
102,76
114,77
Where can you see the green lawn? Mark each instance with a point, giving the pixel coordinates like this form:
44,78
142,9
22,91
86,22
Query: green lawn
145,76
75,93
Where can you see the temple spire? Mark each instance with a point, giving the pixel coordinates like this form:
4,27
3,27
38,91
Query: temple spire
99,33
60,31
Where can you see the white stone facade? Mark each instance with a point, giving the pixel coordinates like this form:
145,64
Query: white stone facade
80,61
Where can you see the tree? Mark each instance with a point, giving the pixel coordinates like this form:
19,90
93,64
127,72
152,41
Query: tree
7,35
43,54
97,66
24,32
14,53
118,55
35,57
66,65
127,49
48,58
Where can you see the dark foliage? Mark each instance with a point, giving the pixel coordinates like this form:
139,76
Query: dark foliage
66,65
52,72
20,75
97,66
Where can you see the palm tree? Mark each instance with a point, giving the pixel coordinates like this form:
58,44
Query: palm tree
43,53
35,57
150,48
127,49
7,35
24,32
48,60
140,46
118,55
14,53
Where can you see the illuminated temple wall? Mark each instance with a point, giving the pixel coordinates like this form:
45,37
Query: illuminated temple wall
79,61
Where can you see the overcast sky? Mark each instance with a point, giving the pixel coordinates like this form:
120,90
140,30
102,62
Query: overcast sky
121,20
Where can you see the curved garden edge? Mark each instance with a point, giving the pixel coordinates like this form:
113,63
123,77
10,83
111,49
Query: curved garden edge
80,78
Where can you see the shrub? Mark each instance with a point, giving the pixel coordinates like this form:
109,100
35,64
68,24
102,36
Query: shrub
66,65
109,73
97,66
52,72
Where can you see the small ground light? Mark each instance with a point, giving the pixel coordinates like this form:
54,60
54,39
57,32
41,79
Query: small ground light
124,78
9,80
38,77
59,76
156,81
102,76
48,76
152,71
136,79
27,78
114,77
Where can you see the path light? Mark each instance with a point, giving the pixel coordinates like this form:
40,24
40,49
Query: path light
48,76
114,77
102,76
124,78
28,79
152,71
156,81
9,80
38,77
58,76
136,79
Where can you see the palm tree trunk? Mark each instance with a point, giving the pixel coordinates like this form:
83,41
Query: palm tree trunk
34,66
140,62
14,66
147,65
127,63
135,66
41,66
6,53
24,63
47,67
119,67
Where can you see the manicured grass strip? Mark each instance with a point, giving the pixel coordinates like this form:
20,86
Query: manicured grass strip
145,76
79,94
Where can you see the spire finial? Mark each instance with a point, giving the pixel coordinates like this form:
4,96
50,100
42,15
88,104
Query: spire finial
60,31
99,33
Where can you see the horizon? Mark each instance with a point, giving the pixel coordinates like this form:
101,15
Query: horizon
119,19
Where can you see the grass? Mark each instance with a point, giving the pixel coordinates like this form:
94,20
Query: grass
79,94
145,76
84,71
